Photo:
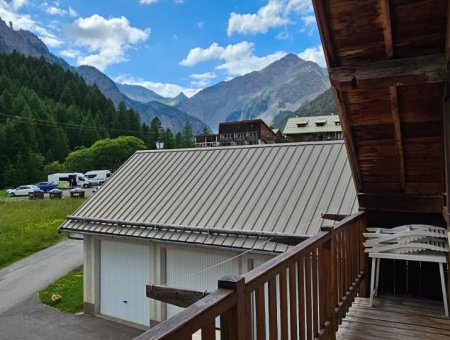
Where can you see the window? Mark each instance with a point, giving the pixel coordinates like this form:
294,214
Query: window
239,135
320,122
302,123
252,134
337,123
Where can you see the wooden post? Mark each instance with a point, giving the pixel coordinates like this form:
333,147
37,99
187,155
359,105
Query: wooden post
363,258
233,321
329,262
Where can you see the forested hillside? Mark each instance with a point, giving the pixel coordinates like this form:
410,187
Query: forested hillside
46,112
322,105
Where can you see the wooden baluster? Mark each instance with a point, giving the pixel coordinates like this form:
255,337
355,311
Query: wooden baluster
233,321
283,305
309,327
248,316
330,255
293,300
209,331
363,259
260,313
322,286
273,323
301,297
315,303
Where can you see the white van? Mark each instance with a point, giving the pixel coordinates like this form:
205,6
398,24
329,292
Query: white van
98,177
65,180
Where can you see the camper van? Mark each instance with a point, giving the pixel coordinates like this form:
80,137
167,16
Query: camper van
67,180
98,177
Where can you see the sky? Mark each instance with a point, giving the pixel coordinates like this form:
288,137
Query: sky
171,46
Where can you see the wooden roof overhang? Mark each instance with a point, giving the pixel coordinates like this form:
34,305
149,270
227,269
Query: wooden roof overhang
388,64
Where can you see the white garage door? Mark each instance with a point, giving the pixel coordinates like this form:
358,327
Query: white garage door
125,270
182,262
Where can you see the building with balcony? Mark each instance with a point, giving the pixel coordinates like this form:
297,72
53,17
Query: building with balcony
246,132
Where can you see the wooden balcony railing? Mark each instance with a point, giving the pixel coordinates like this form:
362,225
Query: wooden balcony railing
301,294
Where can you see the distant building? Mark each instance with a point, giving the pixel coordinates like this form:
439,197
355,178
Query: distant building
246,132
279,137
317,128
206,140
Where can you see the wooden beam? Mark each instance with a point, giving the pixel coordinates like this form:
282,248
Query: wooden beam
325,32
348,138
174,296
401,203
395,72
398,136
387,31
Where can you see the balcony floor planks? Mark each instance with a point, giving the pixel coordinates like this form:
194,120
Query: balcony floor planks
395,318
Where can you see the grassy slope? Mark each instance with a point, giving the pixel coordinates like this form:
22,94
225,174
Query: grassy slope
70,287
29,226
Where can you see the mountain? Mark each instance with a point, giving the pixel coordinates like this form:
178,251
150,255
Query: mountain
28,44
178,100
139,93
145,95
322,105
25,43
92,76
169,116
281,86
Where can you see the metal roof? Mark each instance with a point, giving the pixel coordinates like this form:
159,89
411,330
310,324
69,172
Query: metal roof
277,188
302,125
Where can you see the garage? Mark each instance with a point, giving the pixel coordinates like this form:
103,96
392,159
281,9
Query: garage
124,272
181,263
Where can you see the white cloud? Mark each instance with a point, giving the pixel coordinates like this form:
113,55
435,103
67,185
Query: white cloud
17,4
69,53
314,54
53,10
72,12
215,51
238,58
202,79
107,40
148,2
163,89
8,12
309,20
250,63
179,2
269,16
283,35
275,13
299,6
52,42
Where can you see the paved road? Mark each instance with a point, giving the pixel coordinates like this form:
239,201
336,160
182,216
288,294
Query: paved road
24,317
26,277
31,319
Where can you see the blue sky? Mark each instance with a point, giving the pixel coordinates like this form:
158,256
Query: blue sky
171,45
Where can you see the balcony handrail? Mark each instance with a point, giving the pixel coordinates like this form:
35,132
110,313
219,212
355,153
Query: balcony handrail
315,280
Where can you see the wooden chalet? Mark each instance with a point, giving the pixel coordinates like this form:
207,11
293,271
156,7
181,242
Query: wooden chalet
388,62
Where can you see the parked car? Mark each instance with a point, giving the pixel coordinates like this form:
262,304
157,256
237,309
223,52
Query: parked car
46,186
98,177
23,190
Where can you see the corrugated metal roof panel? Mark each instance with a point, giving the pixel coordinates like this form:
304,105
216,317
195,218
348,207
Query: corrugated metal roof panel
278,188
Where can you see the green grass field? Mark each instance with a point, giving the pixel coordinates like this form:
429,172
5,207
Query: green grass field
70,288
29,226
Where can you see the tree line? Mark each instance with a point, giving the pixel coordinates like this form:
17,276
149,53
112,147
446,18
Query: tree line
48,113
